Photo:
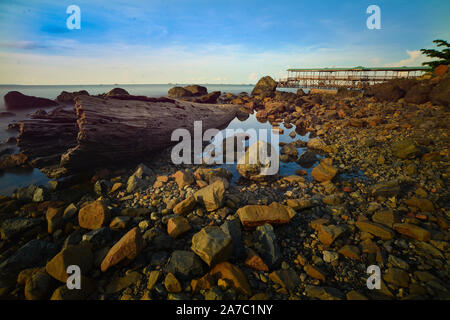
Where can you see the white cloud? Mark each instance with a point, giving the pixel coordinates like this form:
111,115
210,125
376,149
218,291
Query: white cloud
415,60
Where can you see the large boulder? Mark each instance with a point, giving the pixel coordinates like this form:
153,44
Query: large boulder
69,97
117,92
209,98
440,94
265,87
179,92
14,100
392,90
418,94
196,90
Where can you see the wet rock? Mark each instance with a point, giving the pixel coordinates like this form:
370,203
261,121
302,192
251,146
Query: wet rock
257,164
256,215
324,171
307,159
212,245
424,205
405,149
386,189
25,193
93,216
385,217
318,144
126,249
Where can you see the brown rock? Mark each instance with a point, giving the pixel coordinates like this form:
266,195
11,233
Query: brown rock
397,277
412,231
211,196
315,273
127,248
385,217
184,207
79,255
237,278
423,204
256,215
184,178
54,218
172,284
351,252
324,171
327,234
255,262
376,229
176,226
93,216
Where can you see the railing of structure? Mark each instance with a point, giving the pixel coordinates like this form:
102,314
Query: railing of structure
352,78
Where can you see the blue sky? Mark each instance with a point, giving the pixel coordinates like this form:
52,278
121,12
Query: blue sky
207,41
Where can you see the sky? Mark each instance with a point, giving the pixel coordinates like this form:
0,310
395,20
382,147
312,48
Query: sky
208,41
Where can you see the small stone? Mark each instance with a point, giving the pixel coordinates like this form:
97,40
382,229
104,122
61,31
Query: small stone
397,277
376,229
314,272
119,223
287,278
412,231
153,279
351,252
237,278
185,264
39,287
330,256
327,234
405,149
255,262
54,218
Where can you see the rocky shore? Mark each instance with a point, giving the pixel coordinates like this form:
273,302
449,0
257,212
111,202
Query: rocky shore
378,195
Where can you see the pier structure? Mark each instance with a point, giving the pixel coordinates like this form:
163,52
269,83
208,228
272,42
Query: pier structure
351,78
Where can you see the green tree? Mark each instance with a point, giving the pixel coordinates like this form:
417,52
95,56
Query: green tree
443,55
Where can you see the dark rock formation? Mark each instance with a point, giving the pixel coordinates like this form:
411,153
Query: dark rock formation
117,92
69,97
111,130
265,87
15,100
197,90
179,92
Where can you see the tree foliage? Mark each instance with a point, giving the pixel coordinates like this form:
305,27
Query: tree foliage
443,55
